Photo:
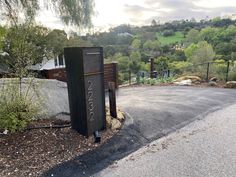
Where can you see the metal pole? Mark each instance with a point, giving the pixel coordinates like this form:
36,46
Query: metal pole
168,73
208,66
151,67
112,99
227,72
129,77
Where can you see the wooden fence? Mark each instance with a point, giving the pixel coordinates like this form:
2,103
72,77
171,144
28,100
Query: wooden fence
110,74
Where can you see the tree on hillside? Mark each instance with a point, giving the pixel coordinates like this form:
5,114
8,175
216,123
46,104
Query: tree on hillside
76,41
218,22
136,44
200,53
161,63
153,23
193,36
225,35
167,33
152,45
152,48
56,41
121,29
208,34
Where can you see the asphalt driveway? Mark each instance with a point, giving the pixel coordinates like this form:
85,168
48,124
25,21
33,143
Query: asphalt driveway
157,111
152,112
204,148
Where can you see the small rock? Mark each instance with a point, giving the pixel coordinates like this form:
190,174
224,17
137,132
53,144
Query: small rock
184,82
115,124
230,84
212,84
5,132
108,121
197,82
194,79
213,79
120,116
107,111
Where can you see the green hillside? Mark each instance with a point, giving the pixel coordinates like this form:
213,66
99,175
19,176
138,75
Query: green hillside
178,37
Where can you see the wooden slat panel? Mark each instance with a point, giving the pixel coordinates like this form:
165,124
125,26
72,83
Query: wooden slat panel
110,74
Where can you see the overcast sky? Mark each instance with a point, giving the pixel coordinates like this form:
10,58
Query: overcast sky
140,12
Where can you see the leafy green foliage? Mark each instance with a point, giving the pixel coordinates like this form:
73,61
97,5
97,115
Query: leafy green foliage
154,81
218,69
200,53
232,72
167,33
161,63
25,46
2,36
56,41
193,36
152,45
136,44
176,38
75,12
17,107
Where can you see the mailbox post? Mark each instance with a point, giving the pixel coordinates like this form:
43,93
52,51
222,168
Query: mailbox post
84,68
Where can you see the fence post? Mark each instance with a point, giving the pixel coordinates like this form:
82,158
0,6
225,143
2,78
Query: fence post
116,74
227,72
151,68
129,77
208,67
112,99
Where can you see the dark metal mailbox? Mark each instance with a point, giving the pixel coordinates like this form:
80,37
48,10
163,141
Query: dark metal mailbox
84,68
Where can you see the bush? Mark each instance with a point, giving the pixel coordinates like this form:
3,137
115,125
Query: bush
152,81
165,80
179,66
218,69
232,74
17,107
168,33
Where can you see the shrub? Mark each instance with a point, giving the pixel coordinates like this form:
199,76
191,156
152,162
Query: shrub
152,81
168,33
165,80
17,105
218,69
232,74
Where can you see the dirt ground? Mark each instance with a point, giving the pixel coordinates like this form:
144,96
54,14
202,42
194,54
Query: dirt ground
32,152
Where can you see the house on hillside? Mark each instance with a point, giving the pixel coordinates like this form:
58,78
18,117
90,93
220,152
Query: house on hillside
55,69
51,69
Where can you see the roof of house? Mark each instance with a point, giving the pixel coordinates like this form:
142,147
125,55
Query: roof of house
35,67
50,64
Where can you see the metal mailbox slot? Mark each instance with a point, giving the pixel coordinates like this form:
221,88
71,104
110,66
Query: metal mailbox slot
85,73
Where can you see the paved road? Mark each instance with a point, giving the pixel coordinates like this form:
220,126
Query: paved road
152,112
159,110
204,148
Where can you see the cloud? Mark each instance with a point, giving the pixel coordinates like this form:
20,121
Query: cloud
142,12
168,10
